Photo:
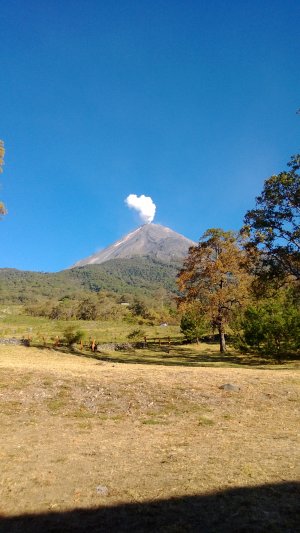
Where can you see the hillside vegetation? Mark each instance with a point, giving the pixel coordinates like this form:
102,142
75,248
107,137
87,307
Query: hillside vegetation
137,291
138,276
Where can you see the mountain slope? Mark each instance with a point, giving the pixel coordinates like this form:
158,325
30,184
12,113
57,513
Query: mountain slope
139,264
150,240
137,276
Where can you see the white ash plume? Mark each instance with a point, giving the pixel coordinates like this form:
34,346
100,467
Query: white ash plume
144,205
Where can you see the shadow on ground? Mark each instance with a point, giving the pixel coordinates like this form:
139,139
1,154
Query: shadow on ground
175,356
267,508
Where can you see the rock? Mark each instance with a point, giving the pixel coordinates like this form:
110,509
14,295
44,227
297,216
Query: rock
12,341
126,346
105,348
102,490
230,387
112,347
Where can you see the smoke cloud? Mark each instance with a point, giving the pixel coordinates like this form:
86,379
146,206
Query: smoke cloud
144,205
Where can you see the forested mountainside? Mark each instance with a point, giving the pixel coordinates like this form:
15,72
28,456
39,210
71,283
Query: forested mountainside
138,276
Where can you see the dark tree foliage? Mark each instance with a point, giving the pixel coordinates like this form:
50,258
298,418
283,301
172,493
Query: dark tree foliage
270,326
273,227
139,308
193,325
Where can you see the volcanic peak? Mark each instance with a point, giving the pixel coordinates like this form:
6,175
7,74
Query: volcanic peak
151,240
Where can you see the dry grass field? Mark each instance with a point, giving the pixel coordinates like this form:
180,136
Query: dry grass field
91,445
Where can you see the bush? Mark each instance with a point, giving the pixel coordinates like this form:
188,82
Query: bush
271,328
72,336
136,334
193,326
139,309
87,310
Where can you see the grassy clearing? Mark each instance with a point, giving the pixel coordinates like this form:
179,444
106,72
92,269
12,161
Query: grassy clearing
146,432
13,323
43,333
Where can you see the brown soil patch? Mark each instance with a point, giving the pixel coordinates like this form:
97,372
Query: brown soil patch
70,426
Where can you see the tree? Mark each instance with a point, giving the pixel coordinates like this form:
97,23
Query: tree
193,325
213,277
273,227
270,326
87,310
2,152
139,308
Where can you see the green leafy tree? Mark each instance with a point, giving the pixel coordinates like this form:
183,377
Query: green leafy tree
214,278
273,227
271,327
193,325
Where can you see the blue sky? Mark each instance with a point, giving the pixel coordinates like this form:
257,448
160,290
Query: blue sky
190,102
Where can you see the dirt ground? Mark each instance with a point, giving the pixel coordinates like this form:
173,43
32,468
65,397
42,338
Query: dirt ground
80,433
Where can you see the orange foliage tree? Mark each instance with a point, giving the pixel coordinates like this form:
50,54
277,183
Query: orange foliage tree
214,279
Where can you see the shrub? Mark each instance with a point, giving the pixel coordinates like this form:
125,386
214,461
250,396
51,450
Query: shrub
136,334
271,328
72,336
193,326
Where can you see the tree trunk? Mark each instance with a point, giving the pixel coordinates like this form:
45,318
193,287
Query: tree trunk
222,339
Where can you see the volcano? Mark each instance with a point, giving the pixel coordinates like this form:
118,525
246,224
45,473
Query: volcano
149,240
